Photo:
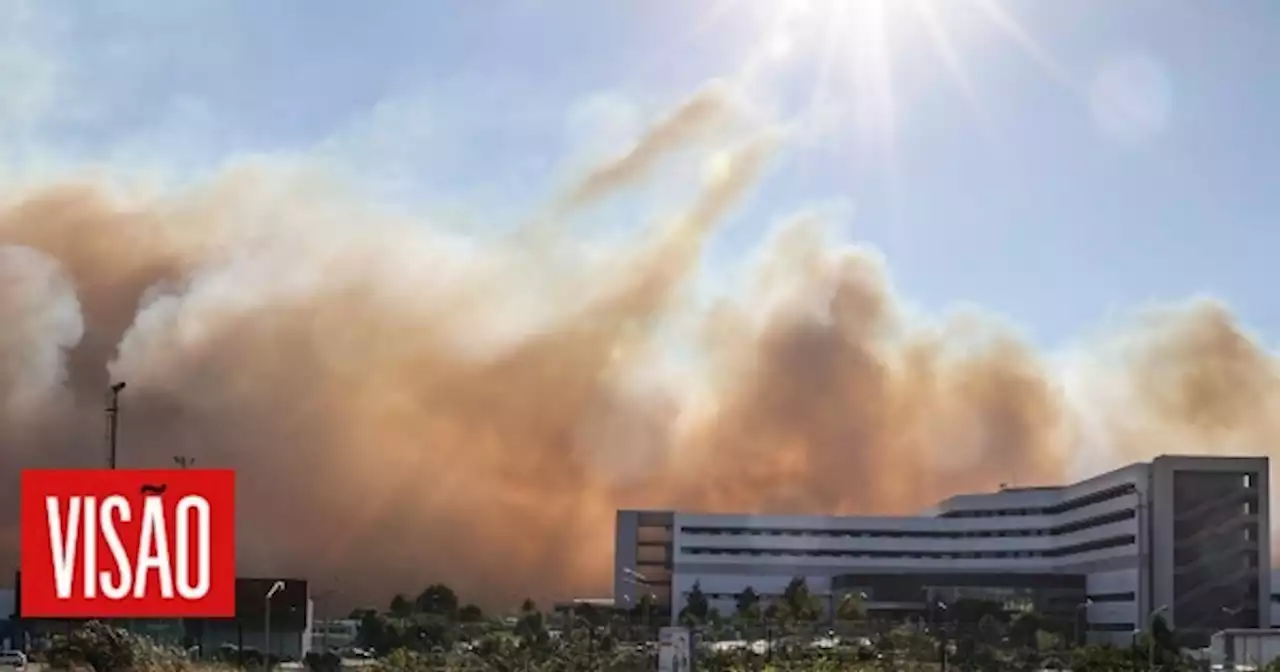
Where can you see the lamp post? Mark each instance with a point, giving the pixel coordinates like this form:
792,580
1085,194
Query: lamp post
1082,607
266,627
1151,638
113,419
942,629
635,578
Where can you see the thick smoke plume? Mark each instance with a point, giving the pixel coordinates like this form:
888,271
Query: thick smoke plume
405,406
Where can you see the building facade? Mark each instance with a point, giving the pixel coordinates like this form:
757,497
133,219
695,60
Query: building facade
8,607
335,635
1187,537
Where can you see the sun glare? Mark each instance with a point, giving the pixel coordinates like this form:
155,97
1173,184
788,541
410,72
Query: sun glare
853,44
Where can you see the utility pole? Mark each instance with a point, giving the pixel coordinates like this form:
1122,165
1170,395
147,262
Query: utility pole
113,419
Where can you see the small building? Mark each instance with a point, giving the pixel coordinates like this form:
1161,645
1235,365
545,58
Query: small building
8,633
1245,649
334,635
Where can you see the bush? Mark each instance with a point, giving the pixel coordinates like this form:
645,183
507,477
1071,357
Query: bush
110,649
323,662
404,660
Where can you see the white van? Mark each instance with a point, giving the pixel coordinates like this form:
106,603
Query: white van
15,660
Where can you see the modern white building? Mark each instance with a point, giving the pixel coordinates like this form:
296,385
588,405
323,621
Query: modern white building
1188,537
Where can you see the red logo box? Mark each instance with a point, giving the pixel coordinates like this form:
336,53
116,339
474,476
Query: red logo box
102,543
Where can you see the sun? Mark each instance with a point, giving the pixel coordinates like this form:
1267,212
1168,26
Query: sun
852,47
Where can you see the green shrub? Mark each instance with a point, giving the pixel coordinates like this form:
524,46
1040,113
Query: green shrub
107,648
323,662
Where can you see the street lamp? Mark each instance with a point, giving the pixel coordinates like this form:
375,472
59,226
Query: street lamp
113,419
1151,638
635,578
1083,606
266,628
942,629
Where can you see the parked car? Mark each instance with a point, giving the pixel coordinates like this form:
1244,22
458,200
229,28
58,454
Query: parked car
16,660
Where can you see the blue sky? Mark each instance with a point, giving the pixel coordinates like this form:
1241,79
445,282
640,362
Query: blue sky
1103,154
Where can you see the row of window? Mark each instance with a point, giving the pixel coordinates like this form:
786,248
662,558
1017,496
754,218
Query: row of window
1113,597
1010,603
1055,509
1074,549
1111,627
1057,530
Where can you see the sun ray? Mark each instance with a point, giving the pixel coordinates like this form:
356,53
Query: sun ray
809,119
826,57
1007,24
927,13
873,78
851,45
707,20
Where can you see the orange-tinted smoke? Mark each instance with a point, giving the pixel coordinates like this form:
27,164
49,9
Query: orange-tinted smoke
695,118
403,409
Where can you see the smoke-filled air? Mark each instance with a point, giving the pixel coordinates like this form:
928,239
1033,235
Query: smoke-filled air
406,404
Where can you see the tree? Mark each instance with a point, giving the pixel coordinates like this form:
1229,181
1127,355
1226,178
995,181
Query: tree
470,614
646,609
772,612
376,633
1161,644
530,627
437,599
990,630
910,642
1047,642
404,660
589,615
1022,631
430,632
401,607
850,608
696,606
323,662
798,604
105,648
969,611
748,605
1103,659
